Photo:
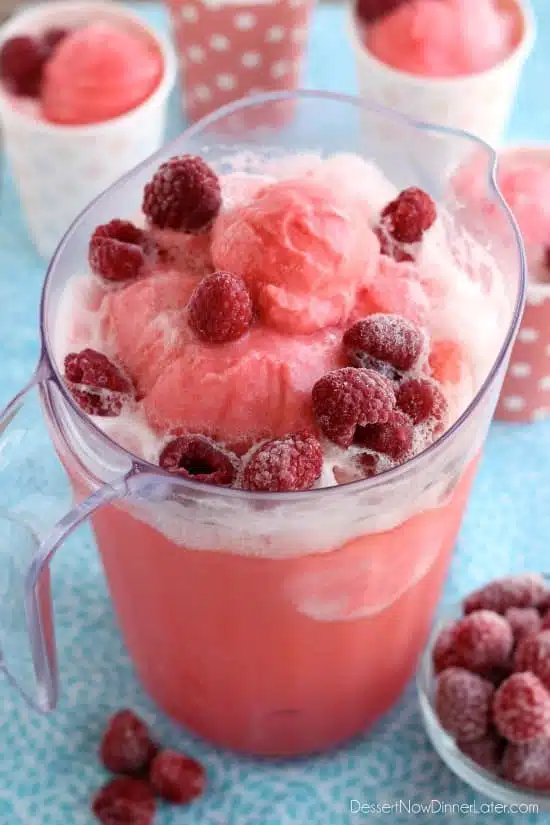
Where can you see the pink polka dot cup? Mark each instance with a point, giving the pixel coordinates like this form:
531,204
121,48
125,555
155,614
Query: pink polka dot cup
229,49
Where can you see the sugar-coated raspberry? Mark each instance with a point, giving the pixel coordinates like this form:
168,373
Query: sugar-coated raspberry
533,654
525,590
198,458
422,400
22,61
369,11
528,765
126,746
184,194
444,653
220,309
487,752
391,248
124,801
93,369
545,623
53,37
347,398
463,703
177,778
483,640
96,384
521,708
394,438
116,251
408,216
388,338
284,464
523,621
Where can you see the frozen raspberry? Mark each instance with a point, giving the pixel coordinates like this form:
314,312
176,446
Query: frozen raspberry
444,654
116,251
525,590
545,623
348,398
220,309
93,369
386,338
96,384
533,654
483,640
184,194
463,703
422,400
408,216
369,11
486,753
528,765
521,708
391,248
523,621
124,801
284,464
394,438
22,62
177,778
53,38
126,746
200,459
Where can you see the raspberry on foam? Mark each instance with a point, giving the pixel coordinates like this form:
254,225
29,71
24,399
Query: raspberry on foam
117,251
533,655
523,621
422,400
394,438
184,194
220,309
407,217
525,590
287,464
390,247
198,458
390,339
483,640
177,778
521,708
125,801
97,385
463,703
126,746
528,764
347,398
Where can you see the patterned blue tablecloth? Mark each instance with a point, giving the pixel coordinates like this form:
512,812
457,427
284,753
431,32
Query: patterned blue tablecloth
48,766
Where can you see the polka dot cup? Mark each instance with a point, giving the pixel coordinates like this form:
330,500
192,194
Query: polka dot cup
230,49
525,393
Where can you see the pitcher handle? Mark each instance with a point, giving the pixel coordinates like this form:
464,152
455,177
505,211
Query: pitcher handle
27,637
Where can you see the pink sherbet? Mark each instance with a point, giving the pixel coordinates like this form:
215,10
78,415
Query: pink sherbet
99,72
304,251
239,393
443,38
147,325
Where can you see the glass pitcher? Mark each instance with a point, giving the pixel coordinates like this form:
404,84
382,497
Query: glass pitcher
275,624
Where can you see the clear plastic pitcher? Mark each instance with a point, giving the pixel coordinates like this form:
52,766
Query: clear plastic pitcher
268,623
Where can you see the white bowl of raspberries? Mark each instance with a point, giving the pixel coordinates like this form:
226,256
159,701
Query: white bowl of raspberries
484,689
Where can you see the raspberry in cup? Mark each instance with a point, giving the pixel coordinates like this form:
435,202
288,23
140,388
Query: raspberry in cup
83,92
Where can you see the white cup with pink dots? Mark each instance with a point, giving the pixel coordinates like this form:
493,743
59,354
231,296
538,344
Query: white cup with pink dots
231,48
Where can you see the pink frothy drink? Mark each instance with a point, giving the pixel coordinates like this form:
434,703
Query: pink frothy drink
289,447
